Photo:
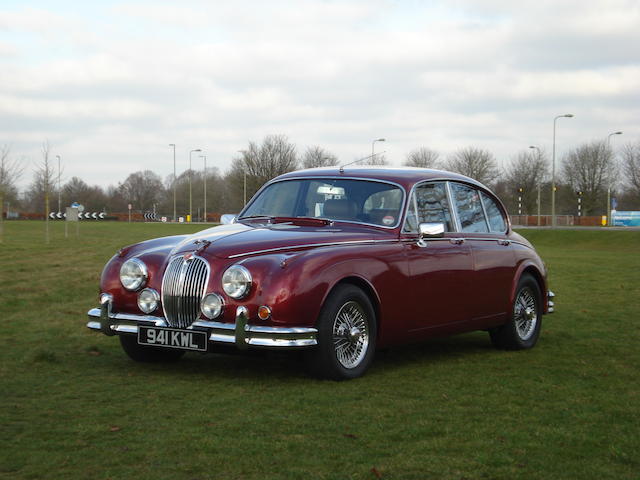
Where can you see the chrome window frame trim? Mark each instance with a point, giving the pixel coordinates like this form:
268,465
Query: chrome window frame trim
401,210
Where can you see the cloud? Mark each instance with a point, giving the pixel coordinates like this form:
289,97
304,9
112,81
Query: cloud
112,84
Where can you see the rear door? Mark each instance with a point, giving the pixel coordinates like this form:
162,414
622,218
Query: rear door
483,226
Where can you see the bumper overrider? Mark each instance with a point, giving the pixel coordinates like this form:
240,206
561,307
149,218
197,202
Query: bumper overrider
241,333
550,301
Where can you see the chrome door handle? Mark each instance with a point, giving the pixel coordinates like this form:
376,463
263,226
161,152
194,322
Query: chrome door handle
506,243
457,241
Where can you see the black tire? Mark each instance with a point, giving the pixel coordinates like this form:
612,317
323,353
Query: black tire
343,354
143,353
523,328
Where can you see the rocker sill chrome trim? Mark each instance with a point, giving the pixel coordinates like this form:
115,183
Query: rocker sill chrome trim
241,333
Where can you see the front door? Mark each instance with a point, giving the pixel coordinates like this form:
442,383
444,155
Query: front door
439,272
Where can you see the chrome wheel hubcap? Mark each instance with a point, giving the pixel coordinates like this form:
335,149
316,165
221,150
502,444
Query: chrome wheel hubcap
350,335
525,314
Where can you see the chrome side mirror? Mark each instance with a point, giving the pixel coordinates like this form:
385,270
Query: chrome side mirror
429,230
227,219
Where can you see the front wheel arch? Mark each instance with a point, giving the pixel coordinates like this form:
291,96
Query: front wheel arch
353,334
368,290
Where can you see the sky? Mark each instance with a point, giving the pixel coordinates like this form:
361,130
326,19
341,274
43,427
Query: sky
109,85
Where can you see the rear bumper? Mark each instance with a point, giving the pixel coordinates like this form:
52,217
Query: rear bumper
550,303
241,333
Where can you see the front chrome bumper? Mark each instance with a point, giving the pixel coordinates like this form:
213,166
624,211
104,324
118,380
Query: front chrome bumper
240,333
550,304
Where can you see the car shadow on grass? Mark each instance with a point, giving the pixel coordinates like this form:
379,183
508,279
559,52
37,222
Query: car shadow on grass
252,365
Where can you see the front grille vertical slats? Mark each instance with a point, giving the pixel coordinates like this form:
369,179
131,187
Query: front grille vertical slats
183,286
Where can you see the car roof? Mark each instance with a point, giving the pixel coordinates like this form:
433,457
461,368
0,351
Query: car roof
405,176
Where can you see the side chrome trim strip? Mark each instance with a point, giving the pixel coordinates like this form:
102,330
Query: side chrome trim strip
312,245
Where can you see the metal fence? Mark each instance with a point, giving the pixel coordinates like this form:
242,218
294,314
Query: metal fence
561,221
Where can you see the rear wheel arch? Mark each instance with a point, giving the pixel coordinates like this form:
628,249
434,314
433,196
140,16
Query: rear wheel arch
533,271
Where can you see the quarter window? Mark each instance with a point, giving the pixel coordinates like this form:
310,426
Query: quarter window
496,219
469,208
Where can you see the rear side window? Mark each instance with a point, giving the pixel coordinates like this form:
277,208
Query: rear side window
469,208
497,222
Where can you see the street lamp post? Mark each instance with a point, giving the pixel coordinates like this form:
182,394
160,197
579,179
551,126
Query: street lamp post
553,170
373,145
59,190
190,197
609,188
205,186
174,180
539,182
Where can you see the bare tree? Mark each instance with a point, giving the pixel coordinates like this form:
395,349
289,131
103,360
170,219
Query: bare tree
274,157
476,163
76,190
631,167
524,175
10,171
142,190
318,157
378,159
45,174
590,169
422,157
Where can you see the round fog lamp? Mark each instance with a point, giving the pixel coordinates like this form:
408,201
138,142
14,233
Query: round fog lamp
148,300
211,305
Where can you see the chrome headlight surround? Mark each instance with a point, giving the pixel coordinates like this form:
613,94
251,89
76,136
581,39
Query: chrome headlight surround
133,274
148,300
212,305
236,281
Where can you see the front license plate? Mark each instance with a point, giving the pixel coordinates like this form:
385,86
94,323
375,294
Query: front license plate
173,338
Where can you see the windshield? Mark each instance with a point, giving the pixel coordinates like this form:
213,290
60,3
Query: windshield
359,201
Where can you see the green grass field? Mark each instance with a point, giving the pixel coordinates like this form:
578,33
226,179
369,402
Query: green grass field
72,405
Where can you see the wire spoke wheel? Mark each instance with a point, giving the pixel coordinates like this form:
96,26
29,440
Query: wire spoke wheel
350,335
525,314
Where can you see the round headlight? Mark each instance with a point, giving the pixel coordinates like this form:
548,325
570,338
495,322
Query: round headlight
236,281
133,274
148,300
212,305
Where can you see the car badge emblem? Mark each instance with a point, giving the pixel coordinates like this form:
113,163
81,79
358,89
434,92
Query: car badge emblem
188,257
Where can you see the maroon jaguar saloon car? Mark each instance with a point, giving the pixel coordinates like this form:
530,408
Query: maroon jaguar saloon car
335,262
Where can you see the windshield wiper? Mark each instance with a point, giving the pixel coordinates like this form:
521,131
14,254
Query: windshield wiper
304,221
257,217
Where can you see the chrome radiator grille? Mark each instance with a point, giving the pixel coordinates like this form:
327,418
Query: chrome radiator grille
183,286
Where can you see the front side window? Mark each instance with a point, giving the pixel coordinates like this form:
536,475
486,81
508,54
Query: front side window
429,204
469,209
360,201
